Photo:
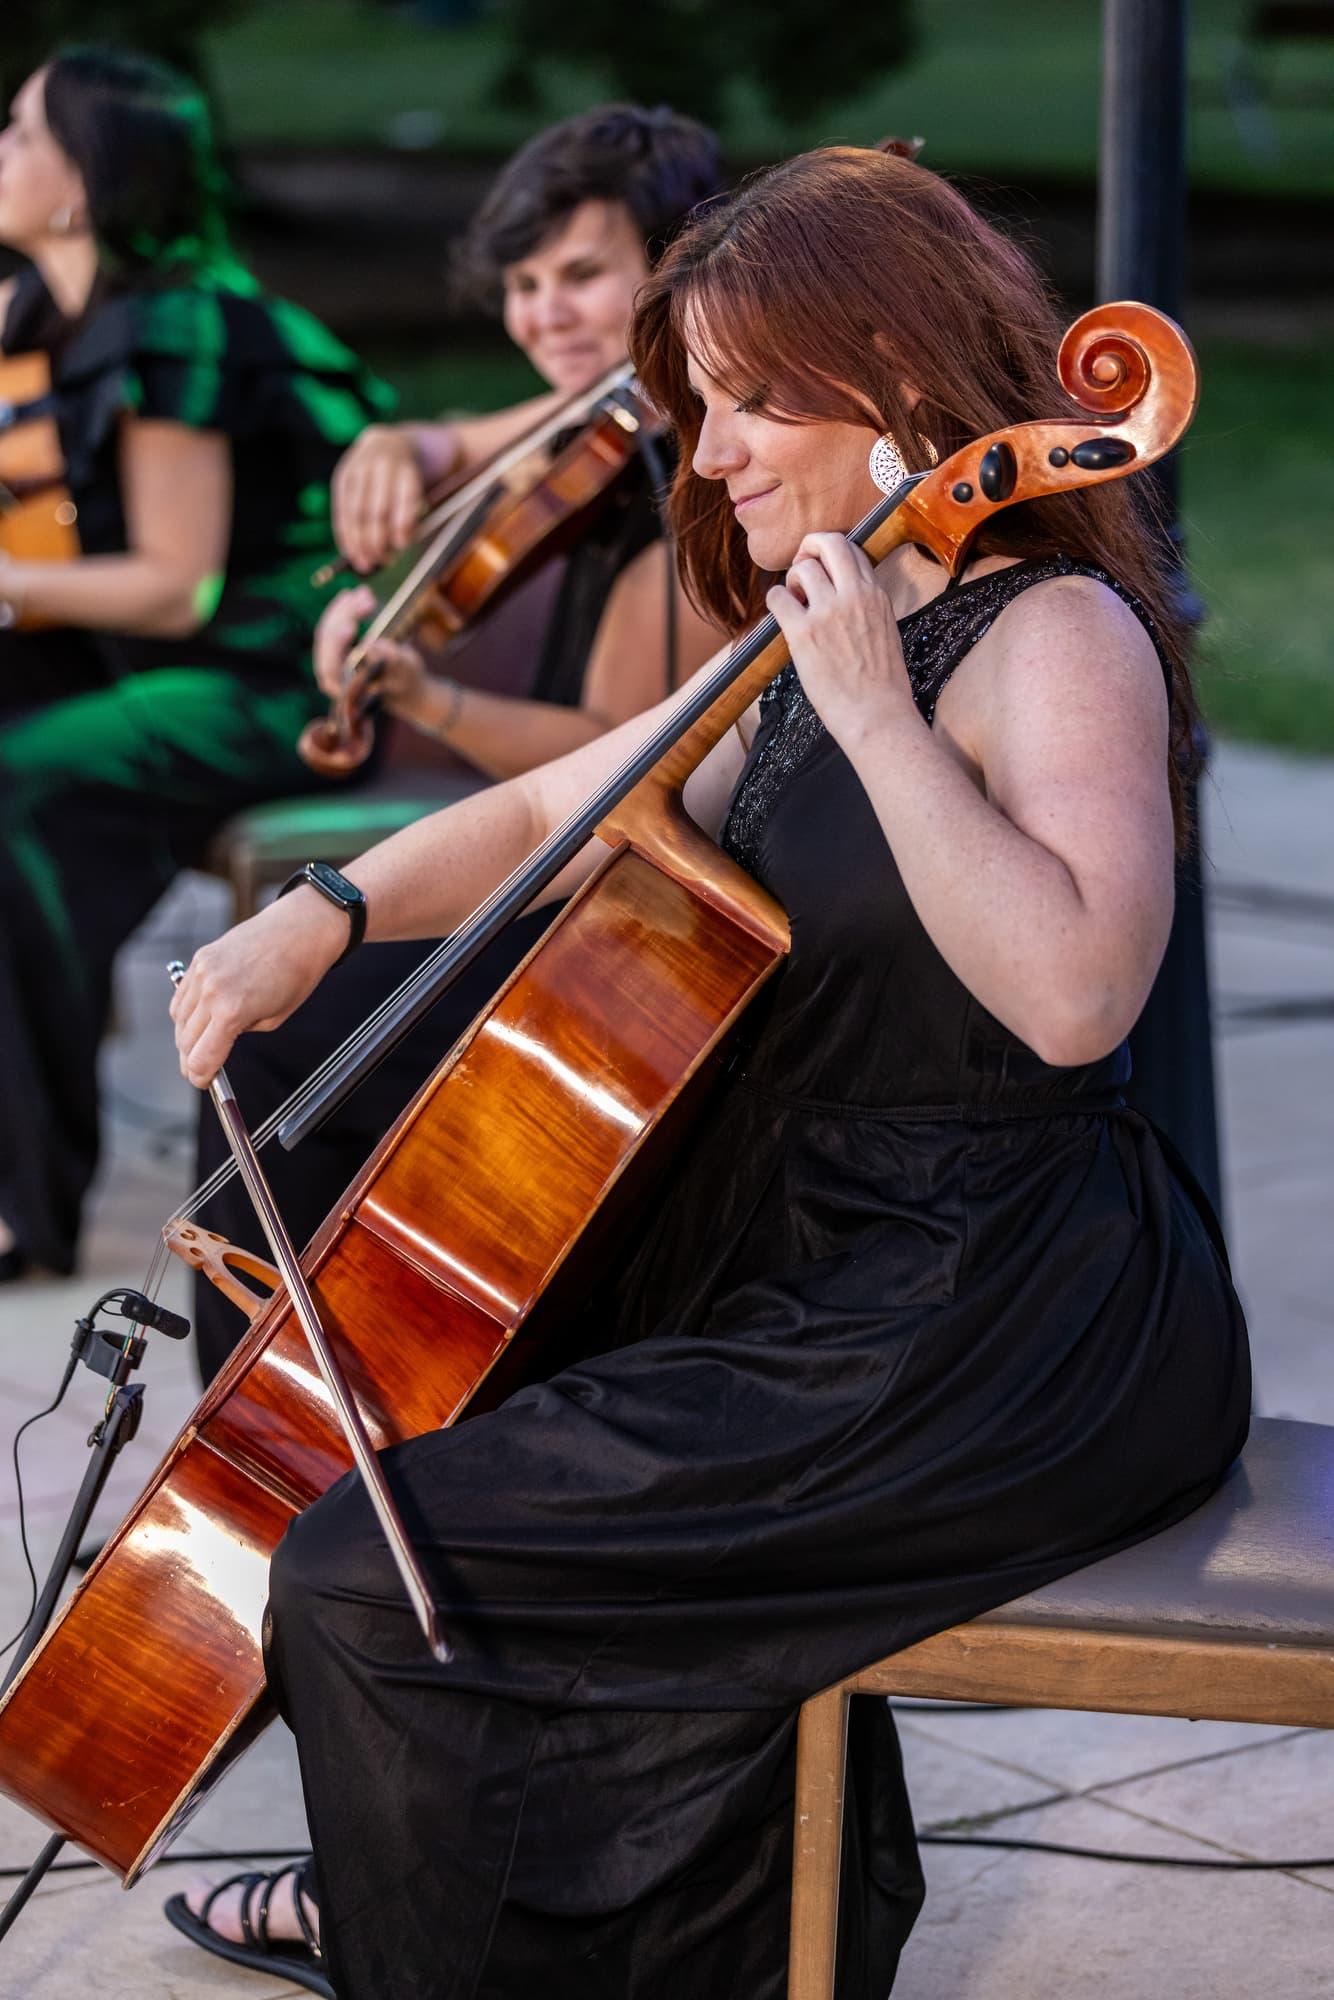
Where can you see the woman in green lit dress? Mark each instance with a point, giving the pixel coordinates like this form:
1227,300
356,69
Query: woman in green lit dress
158,683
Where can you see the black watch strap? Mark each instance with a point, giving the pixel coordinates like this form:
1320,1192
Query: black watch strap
323,877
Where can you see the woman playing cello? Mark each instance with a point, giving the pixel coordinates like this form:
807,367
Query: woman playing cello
924,1318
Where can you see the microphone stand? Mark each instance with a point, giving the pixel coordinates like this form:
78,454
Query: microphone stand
115,1356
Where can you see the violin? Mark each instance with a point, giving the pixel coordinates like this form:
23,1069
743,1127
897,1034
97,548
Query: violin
37,512
450,1268
522,509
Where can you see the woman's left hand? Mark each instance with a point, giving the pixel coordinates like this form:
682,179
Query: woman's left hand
838,620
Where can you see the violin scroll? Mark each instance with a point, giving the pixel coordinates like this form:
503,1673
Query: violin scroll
1101,365
340,742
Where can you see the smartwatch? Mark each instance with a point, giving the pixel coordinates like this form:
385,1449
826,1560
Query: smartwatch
323,877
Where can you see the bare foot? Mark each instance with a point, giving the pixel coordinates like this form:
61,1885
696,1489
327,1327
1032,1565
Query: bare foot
284,1925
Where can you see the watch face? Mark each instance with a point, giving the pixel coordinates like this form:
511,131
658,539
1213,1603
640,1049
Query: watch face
331,882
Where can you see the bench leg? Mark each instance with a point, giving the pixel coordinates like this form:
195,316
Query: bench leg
822,1752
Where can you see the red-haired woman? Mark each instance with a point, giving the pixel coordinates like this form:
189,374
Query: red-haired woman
925,1317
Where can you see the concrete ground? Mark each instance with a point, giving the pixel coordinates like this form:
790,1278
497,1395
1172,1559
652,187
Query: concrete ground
998,1925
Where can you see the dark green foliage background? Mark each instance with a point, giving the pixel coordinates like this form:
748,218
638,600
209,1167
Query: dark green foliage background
686,52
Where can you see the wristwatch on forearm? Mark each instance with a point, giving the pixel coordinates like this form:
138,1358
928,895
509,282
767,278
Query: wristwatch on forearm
323,877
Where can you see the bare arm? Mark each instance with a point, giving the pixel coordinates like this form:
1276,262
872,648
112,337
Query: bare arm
420,883
1032,826
176,489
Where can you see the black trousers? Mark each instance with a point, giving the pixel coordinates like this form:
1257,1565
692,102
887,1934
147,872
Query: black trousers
104,796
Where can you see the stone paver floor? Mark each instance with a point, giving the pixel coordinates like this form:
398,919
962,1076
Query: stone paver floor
998,1925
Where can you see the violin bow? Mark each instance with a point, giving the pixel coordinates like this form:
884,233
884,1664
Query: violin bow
453,501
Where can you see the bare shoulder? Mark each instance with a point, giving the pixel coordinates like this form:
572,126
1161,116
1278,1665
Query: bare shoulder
1073,633
1065,648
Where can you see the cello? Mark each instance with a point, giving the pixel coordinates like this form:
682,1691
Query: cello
38,515
455,1258
485,538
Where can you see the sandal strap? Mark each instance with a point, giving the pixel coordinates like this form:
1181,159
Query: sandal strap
271,1882
246,1881
305,1886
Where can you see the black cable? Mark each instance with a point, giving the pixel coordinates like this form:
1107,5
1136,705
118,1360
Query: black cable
1057,1847
1261,899
925,1840
957,1707
1286,1008
27,1423
1105,1854
174,1860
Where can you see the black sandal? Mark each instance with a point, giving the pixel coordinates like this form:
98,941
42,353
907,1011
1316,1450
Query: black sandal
300,1963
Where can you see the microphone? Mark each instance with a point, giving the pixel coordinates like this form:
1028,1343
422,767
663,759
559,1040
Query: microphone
144,1312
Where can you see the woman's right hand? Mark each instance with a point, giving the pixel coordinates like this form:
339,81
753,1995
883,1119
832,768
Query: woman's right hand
253,976
378,495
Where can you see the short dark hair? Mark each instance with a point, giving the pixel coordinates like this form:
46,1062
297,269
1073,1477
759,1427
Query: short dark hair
140,134
659,163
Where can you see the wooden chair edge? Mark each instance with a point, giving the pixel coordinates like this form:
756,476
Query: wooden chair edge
1031,1666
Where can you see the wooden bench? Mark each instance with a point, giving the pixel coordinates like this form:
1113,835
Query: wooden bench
1227,1617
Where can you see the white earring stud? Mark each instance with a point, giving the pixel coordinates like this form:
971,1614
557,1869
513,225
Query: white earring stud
62,222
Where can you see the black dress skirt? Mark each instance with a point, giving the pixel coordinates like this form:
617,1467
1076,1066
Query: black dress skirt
921,1324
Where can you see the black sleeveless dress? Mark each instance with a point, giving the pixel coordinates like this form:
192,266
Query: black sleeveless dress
921,1324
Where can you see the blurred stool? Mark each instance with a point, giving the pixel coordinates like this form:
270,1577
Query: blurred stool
259,848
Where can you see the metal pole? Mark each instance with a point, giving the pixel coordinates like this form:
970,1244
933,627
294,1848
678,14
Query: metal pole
1141,246
18,1901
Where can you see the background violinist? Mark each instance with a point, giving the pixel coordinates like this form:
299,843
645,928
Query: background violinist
562,243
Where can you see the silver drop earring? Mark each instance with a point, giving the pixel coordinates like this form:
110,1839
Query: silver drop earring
62,222
886,464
